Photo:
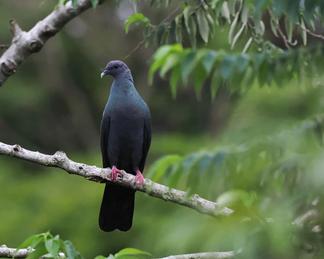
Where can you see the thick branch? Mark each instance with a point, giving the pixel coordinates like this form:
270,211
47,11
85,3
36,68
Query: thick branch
25,43
93,173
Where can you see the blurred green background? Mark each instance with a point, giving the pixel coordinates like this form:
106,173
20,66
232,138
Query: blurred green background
55,102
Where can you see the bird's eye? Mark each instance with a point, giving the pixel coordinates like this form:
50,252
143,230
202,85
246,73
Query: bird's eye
115,66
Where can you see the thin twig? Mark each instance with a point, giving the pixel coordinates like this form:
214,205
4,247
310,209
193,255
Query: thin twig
170,15
284,38
139,45
314,34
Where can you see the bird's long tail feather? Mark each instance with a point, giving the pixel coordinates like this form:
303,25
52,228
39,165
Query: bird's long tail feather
117,208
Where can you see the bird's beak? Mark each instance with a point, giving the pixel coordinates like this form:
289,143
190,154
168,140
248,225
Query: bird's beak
102,74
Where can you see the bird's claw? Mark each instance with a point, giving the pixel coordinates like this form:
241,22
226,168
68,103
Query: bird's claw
115,172
139,178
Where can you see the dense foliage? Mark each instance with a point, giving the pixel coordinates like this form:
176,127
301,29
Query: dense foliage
266,180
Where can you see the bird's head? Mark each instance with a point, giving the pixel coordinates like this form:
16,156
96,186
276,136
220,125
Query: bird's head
114,68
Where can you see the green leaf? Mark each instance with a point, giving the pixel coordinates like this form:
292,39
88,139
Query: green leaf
215,84
135,18
274,24
70,251
132,253
237,35
247,45
304,32
186,15
227,67
189,62
245,14
289,29
175,175
226,12
39,251
259,28
159,168
170,62
202,25
208,60
175,78
160,57
232,28
172,33
200,76
236,199
32,241
193,31
160,34
53,245
178,21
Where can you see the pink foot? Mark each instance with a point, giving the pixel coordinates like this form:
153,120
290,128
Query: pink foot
139,178
114,173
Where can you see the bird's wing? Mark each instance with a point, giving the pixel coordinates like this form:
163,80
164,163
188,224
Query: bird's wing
146,141
104,135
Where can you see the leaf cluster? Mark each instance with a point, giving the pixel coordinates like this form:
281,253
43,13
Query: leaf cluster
238,70
45,245
49,246
196,20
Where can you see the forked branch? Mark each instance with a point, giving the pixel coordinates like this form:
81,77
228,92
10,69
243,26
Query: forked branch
25,43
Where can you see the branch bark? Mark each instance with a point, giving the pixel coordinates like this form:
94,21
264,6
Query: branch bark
26,43
206,255
93,173
6,252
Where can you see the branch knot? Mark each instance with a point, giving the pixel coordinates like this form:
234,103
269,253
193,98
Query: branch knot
16,148
35,45
59,157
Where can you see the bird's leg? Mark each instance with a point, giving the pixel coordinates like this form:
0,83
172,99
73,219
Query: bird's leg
114,173
139,178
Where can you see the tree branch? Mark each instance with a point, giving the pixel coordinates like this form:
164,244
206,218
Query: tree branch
206,255
6,252
93,173
25,43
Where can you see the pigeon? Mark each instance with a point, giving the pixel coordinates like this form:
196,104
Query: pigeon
125,139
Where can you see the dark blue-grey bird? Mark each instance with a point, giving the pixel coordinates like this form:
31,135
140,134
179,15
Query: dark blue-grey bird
125,141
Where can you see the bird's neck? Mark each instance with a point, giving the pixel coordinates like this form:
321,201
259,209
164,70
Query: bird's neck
123,85
124,76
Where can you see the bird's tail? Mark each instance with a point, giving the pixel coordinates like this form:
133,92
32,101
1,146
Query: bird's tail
117,208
